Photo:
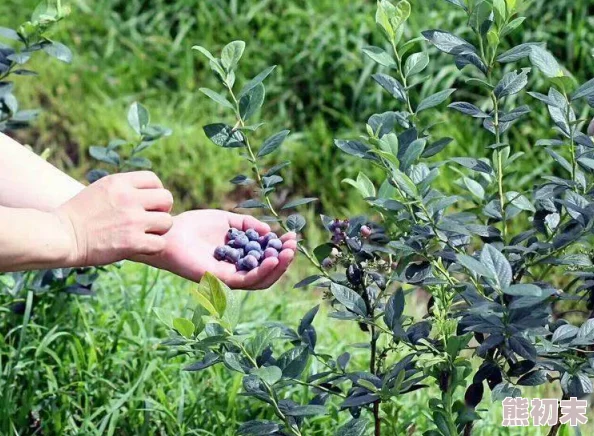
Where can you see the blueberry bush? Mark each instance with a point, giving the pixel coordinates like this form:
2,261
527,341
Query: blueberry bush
508,268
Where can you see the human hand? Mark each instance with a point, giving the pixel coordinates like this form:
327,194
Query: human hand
195,235
115,218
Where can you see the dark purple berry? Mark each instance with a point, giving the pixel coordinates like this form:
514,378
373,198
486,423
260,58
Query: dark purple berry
365,231
250,262
252,234
268,237
220,252
232,233
252,246
327,263
231,243
270,252
241,241
241,252
276,244
354,275
256,254
337,239
232,255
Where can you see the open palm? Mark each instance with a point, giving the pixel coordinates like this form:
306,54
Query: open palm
195,235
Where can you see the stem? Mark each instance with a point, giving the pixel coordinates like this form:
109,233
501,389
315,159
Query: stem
499,166
376,405
259,179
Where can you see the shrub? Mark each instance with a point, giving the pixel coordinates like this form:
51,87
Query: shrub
508,268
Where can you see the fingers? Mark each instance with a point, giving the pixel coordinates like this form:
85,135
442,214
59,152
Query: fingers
245,222
285,258
143,180
158,223
160,200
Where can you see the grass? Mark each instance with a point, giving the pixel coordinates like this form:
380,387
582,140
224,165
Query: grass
94,365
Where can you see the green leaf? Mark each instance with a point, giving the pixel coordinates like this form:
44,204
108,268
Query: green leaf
272,143
258,428
394,309
480,16
412,153
205,52
184,326
405,183
380,56
448,43
416,63
295,222
459,3
475,188
231,54
252,101
104,154
435,99
307,410
215,291
468,109
252,204
298,202
516,53
215,96
269,374
59,51
474,266
512,83
203,301
263,339
401,14
349,299
512,25
497,263
586,90
523,290
363,185
224,135
545,61
354,148
138,117
9,34
256,81
391,85
293,362
139,162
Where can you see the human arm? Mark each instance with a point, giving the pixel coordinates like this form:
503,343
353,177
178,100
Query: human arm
28,181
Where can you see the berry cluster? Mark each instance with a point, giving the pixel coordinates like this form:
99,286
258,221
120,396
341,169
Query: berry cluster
247,250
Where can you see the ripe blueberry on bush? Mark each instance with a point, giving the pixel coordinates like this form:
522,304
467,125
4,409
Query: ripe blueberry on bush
327,263
247,250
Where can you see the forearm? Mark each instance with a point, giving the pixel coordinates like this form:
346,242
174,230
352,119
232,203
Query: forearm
32,239
28,181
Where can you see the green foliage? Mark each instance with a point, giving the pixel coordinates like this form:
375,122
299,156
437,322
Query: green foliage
489,281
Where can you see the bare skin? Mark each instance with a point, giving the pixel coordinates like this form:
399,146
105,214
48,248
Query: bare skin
49,220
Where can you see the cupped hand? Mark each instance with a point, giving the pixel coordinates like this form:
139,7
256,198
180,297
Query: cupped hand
192,240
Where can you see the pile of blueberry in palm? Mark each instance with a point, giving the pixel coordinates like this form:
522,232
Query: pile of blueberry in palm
247,250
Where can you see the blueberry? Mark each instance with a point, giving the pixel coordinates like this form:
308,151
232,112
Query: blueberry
256,254
253,246
365,231
276,244
241,252
249,262
270,252
231,243
220,252
337,239
232,233
252,234
327,263
232,255
354,275
269,236
241,241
